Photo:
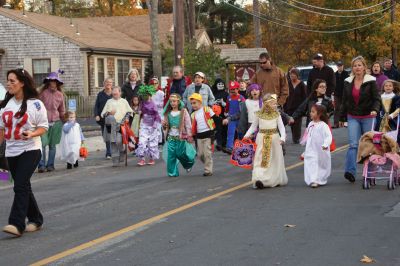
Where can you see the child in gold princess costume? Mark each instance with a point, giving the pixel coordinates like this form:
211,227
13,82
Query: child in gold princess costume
269,166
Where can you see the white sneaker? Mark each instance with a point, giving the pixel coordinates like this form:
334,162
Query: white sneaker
11,229
32,227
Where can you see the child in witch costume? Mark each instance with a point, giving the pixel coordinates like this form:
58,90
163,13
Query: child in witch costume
178,128
203,130
232,109
269,166
149,128
221,96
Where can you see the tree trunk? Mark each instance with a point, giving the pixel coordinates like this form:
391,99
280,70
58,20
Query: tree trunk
192,19
229,30
111,8
155,41
257,25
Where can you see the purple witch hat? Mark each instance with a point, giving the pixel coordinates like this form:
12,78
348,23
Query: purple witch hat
54,76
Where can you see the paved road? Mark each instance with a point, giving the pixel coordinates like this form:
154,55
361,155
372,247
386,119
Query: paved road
335,225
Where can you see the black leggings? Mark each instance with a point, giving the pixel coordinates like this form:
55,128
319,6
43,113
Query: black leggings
24,205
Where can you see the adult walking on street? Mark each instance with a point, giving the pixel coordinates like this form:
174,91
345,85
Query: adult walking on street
101,100
377,72
297,95
361,103
23,121
324,72
201,88
178,84
390,71
53,99
131,86
272,79
340,75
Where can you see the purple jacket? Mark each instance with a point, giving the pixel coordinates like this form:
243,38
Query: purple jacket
380,78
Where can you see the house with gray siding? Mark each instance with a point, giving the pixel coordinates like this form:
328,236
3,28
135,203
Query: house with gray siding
87,49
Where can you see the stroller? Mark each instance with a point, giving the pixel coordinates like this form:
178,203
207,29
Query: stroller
378,153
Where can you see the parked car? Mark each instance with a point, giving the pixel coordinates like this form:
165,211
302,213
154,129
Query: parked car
305,71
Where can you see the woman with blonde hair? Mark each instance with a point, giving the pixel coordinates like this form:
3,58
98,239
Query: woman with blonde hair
131,86
361,103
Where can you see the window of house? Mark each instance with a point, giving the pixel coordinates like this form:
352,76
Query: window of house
100,72
40,69
123,69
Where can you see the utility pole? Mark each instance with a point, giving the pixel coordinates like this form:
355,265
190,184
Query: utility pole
152,5
179,31
392,19
192,19
256,21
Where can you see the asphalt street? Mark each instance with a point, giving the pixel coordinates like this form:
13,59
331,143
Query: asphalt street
332,225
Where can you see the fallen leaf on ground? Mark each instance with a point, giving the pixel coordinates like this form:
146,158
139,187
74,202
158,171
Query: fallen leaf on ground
290,225
367,259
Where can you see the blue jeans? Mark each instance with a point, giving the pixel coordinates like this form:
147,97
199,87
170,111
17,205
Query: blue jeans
52,156
231,133
108,148
356,128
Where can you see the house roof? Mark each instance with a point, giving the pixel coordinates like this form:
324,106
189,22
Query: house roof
245,55
125,33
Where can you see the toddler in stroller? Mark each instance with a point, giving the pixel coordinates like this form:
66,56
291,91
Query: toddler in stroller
377,151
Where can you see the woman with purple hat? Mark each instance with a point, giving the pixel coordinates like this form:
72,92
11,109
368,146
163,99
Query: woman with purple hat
53,99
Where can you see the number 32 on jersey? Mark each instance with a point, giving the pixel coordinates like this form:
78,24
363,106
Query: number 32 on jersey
9,129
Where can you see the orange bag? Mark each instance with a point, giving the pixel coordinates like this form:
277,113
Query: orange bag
83,152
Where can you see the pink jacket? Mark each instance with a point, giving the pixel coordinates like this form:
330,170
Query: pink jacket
54,103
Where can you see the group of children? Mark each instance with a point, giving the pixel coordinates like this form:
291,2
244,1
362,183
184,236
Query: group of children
232,117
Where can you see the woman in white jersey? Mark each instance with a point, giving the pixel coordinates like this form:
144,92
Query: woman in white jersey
23,119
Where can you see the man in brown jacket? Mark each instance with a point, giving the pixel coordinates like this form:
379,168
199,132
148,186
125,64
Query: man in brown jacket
271,78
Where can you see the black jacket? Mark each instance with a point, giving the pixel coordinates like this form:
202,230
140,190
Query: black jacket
340,77
305,108
370,100
296,97
326,73
393,73
128,93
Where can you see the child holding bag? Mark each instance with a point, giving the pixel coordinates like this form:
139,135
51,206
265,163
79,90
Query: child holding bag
71,140
178,128
317,156
269,166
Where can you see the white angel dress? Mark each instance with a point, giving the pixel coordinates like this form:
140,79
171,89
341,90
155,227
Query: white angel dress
317,161
269,164
71,140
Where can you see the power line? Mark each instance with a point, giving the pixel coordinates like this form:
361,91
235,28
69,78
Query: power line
266,18
341,10
331,15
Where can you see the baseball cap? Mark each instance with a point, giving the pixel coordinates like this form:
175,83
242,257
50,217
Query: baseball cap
201,74
318,56
234,85
196,96
339,63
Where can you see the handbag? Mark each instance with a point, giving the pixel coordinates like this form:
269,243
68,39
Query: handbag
243,153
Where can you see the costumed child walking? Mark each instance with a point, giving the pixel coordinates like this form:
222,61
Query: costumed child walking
149,131
232,110
136,115
221,95
389,106
249,108
269,166
116,112
203,130
71,140
178,128
158,99
317,156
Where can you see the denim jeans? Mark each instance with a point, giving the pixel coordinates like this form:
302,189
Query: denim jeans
356,128
51,159
24,204
108,144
